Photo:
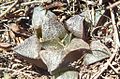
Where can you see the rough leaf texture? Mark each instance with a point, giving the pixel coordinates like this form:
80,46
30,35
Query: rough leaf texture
51,28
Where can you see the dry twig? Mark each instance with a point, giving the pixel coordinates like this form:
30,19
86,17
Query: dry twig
31,2
118,73
117,45
17,72
6,11
113,5
105,66
115,34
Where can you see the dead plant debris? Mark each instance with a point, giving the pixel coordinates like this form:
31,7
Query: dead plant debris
59,39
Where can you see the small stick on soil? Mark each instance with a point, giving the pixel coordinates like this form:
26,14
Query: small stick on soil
32,2
117,45
93,15
8,9
20,70
115,34
5,4
118,73
105,66
114,4
17,72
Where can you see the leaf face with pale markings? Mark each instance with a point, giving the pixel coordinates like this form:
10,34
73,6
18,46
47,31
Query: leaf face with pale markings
51,28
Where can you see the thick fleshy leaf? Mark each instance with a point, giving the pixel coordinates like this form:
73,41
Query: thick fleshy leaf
75,25
99,52
67,39
77,44
60,59
52,44
29,48
39,16
52,58
47,21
